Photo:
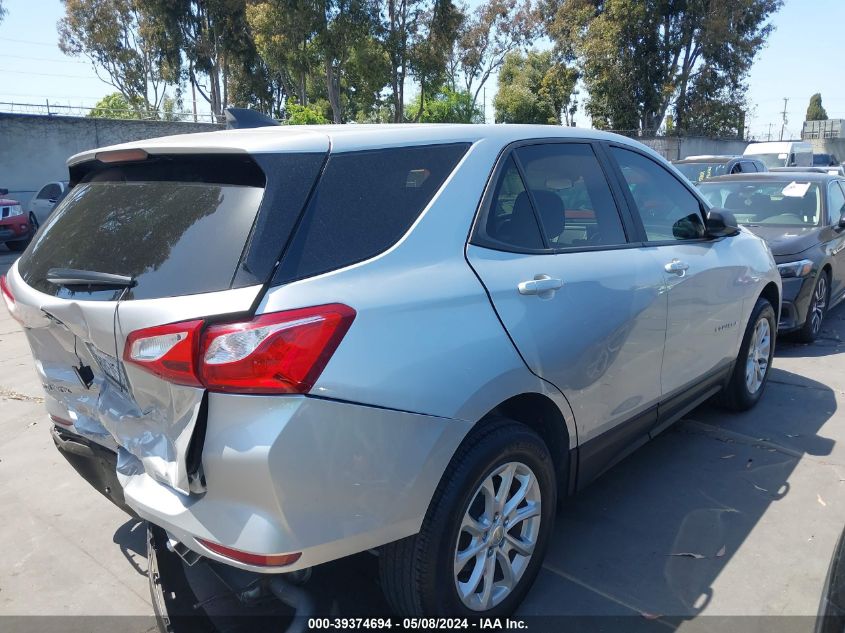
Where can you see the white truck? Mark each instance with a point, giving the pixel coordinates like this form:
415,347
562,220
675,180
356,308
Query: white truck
782,153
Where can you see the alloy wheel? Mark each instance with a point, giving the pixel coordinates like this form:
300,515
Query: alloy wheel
818,305
497,537
759,350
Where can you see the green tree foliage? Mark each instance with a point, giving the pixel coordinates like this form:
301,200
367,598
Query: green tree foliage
533,88
2,11
304,114
816,111
116,106
432,47
638,57
715,107
448,106
202,40
117,36
494,29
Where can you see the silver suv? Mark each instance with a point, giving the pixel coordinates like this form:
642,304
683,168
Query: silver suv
284,346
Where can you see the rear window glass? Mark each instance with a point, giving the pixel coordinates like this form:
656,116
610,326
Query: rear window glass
176,228
696,172
364,202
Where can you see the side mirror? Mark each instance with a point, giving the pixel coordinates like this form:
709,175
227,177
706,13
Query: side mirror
721,223
841,224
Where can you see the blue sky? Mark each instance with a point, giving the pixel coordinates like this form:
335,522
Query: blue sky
803,56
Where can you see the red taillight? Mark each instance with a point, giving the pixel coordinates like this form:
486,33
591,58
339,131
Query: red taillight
168,351
262,560
8,297
281,352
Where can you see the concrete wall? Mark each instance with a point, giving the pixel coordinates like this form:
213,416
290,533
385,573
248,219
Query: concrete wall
676,148
34,148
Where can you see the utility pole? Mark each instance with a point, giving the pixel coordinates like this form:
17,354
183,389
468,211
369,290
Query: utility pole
783,125
770,132
484,98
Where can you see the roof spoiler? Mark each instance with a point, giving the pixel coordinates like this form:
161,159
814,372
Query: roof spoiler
242,118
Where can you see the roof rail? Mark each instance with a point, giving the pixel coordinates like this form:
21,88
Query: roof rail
242,118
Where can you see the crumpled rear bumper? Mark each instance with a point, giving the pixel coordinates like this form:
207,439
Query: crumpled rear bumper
288,474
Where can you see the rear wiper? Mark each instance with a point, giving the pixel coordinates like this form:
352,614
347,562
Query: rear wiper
74,277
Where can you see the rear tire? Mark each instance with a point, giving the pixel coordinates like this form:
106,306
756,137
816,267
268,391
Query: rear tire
816,311
18,246
499,530
754,362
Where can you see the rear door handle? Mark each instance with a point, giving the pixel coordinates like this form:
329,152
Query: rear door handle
677,267
542,285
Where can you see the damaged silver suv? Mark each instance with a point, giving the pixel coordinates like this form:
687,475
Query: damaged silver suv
283,346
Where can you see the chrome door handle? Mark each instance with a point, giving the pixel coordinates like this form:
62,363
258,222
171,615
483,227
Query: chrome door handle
542,285
676,266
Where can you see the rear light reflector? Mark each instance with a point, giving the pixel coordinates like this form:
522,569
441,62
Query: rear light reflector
261,560
280,352
8,297
61,421
168,351
121,155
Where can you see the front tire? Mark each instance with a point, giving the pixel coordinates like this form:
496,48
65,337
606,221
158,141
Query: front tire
18,246
484,536
751,371
816,311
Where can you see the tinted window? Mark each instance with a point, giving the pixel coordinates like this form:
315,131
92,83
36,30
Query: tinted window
835,202
364,202
787,203
571,194
667,209
49,191
511,219
174,236
696,172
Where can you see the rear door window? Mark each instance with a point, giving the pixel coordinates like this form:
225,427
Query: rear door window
512,220
364,203
570,192
177,228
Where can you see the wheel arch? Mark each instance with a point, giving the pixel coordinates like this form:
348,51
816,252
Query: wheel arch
771,293
542,414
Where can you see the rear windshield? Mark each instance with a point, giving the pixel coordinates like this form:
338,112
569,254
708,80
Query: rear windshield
175,228
773,160
365,201
696,172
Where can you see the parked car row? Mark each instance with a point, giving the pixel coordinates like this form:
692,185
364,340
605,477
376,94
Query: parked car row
798,209
282,347
15,228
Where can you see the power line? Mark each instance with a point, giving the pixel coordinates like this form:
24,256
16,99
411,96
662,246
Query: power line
44,59
11,39
26,72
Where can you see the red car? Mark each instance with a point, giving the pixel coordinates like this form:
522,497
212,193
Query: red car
15,229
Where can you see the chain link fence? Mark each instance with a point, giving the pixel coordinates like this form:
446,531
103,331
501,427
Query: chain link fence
48,109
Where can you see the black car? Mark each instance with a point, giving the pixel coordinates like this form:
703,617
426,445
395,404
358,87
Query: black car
699,168
802,218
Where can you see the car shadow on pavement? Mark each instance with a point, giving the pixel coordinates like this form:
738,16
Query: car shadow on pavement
131,538
653,533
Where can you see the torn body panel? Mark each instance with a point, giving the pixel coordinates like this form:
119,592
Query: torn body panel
148,421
